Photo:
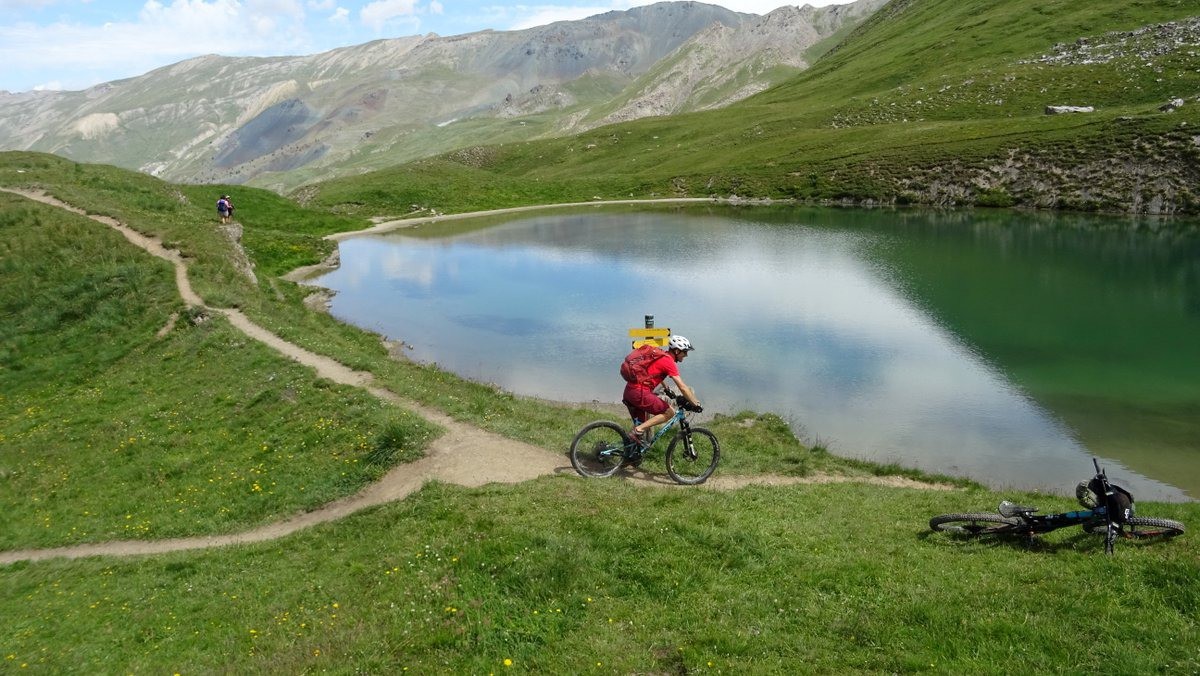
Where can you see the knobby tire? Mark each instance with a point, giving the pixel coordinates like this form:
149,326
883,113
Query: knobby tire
696,466
597,451
1147,527
977,524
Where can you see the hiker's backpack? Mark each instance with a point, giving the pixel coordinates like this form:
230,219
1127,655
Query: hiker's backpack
636,367
222,204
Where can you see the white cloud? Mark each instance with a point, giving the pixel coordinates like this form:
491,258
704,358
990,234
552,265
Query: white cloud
340,15
229,24
78,55
435,7
380,12
53,86
321,5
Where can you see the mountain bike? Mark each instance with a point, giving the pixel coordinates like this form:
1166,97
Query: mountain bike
1109,510
603,447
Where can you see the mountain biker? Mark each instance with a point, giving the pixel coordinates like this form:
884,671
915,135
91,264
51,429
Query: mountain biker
648,407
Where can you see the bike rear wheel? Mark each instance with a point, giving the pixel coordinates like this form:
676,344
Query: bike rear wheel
1147,528
598,450
693,456
976,525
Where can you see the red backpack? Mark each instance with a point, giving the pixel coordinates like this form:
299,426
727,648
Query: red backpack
636,367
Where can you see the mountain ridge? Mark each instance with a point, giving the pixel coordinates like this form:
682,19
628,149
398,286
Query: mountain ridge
284,121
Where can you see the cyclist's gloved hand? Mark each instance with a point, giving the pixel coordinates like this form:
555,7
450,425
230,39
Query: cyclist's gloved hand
693,407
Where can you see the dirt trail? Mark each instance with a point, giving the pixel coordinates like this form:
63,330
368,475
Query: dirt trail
409,222
464,455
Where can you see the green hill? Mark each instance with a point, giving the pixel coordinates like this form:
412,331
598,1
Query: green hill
929,101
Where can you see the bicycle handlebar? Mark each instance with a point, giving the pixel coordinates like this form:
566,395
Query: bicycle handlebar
680,400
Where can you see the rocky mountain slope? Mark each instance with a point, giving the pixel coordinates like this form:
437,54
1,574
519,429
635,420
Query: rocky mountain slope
281,122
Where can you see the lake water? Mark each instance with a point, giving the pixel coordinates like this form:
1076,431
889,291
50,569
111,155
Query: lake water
1002,346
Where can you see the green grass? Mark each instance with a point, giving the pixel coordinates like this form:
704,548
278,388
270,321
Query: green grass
564,575
279,235
118,421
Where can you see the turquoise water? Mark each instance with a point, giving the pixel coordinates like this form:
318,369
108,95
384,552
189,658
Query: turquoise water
1005,347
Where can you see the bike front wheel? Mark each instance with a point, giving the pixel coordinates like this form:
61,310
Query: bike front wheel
693,456
598,450
976,525
1141,528
1147,528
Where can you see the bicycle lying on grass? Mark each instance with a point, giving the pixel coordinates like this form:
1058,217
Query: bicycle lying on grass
603,447
1109,511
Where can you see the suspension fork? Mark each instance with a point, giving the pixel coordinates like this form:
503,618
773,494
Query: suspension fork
685,431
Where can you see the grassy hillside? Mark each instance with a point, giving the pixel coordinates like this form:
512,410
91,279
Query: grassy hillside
930,101
125,415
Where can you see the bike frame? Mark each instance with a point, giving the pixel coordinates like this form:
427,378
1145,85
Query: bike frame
680,418
1045,523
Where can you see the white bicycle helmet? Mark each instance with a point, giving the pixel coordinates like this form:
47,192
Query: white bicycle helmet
680,343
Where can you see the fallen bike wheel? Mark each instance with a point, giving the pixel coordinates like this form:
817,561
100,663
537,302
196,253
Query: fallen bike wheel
692,457
1141,528
597,450
1148,528
975,525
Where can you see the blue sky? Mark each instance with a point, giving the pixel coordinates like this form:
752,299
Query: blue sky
74,44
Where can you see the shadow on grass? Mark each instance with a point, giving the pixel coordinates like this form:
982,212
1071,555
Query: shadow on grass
1078,541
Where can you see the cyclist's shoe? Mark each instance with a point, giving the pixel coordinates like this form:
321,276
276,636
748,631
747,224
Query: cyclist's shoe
642,440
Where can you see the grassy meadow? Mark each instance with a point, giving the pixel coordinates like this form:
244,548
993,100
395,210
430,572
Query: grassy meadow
563,575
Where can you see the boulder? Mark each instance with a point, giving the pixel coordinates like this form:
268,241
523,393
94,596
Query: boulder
1060,110
1171,106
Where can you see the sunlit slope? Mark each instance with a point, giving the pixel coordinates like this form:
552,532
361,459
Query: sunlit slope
929,101
941,59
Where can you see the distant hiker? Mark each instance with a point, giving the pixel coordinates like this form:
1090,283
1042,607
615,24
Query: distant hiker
645,369
224,208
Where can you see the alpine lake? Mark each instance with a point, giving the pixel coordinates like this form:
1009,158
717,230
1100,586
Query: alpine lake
1005,346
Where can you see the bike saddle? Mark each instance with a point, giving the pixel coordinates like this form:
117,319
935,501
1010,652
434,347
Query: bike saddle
1013,509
